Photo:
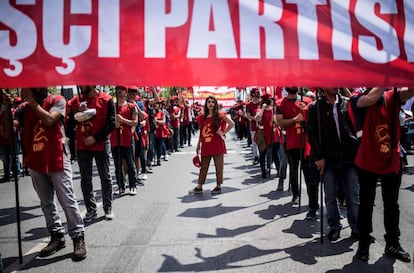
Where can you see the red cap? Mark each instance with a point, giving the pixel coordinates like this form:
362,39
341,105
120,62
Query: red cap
18,99
265,96
197,161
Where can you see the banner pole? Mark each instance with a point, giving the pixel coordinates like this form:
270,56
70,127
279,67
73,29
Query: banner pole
16,176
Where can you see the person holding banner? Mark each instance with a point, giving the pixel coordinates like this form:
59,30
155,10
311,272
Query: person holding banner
48,158
378,159
95,112
214,125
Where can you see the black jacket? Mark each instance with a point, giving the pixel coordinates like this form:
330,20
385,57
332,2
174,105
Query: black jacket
330,146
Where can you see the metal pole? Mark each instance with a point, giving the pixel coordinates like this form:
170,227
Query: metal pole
16,178
318,117
300,152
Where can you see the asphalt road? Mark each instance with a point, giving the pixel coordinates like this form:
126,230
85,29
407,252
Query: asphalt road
248,228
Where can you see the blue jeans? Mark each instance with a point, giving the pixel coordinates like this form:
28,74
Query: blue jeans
85,159
341,175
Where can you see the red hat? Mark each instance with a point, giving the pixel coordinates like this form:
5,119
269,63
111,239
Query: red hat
17,99
265,96
197,161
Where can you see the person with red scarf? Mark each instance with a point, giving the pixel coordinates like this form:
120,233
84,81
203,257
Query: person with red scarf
378,159
48,159
214,125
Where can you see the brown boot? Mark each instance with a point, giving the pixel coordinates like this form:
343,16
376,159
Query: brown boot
79,248
57,242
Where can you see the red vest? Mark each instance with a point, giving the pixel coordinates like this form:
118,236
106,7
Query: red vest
124,132
375,153
43,145
94,125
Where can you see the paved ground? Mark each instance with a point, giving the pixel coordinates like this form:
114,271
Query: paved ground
248,228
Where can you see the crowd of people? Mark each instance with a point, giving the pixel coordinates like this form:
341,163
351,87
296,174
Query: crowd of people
320,135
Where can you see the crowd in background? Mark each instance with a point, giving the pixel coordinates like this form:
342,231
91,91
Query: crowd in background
316,133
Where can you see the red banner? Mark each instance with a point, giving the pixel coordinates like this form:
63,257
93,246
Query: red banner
225,96
207,42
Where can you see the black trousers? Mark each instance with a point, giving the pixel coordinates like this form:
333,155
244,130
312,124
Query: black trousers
390,186
309,172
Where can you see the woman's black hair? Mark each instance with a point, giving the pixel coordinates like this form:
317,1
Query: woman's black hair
216,117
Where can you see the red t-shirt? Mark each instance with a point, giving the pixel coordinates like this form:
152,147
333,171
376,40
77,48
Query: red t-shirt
161,130
211,142
289,108
174,122
252,109
375,153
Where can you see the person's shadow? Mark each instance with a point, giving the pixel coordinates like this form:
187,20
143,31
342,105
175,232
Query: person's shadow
384,264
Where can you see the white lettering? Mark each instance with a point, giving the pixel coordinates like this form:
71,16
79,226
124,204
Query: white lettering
157,22
80,36
109,30
25,32
409,29
307,28
201,37
251,23
388,50
342,31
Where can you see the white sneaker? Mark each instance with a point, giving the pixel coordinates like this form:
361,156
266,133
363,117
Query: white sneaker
144,176
166,158
133,191
109,215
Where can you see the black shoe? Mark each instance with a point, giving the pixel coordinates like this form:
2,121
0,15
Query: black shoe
57,242
333,235
79,248
362,254
256,161
397,252
5,179
280,185
295,200
216,190
311,215
196,191
264,174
